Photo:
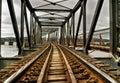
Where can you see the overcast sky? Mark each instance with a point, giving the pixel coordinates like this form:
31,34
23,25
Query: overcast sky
7,29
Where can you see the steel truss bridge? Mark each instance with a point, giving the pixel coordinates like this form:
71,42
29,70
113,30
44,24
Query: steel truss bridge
54,21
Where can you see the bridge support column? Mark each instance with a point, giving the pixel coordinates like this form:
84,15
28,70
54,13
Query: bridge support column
93,25
31,28
27,27
34,33
40,33
37,34
14,22
113,28
60,41
84,23
68,33
0,23
62,33
22,23
73,26
78,27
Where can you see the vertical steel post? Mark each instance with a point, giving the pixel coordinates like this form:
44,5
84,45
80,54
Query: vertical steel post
73,19
78,27
93,24
0,23
68,33
41,34
27,27
31,28
48,37
34,32
62,38
84,23
61,35
22,23
37,33
113,28
71,32
64,33
14,22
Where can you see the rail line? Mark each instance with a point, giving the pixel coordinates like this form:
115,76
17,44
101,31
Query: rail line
57,64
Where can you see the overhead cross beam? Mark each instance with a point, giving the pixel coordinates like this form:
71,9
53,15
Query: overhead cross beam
77,6
53,10
50,25
60,22
29,6
39,17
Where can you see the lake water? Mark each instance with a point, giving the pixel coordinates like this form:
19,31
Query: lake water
8,51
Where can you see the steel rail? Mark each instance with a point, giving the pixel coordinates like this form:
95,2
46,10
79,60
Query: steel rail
106,77
22,69
72,76
41,76
42,73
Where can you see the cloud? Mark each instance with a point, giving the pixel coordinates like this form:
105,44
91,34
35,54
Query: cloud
103,20
7,30
7,27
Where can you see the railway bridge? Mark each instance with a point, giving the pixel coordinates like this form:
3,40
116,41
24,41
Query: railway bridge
55,29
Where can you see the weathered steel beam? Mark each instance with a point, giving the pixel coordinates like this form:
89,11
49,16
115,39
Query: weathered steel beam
102,30
93,25
53,10
14,22
27,27
77,6
0,23
31,28
51,22
73,21
78,27
29,6
22,22
84,23
34,32
63,35
60,40
39,17
113,28
40,32
50,25
68,33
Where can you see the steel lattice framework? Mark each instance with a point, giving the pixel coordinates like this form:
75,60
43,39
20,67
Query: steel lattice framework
47,16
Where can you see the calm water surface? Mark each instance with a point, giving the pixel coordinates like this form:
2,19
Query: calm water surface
8,51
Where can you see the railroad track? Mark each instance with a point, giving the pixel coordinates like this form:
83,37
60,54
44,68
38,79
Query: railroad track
58,65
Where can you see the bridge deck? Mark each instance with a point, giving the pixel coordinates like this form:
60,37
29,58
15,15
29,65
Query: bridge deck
94,66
